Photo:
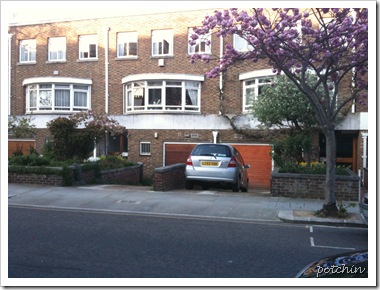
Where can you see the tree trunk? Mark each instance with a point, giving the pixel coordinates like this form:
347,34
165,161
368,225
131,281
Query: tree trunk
330,199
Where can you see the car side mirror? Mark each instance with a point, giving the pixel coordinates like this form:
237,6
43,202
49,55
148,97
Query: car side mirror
247,166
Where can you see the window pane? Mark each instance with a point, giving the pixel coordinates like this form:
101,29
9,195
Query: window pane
80,99
33,99
154,83
62,99
154,96
249,96
173,96
191,97
133,49
45,98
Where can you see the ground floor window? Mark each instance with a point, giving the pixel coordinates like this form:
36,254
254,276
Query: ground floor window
145,148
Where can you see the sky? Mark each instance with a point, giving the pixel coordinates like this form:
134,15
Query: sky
37,11
32,11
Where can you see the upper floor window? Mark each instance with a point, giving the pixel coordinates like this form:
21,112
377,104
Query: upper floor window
162,95
241,45
253,83
162,42
88,47
126,44
57,49
202,44
46,97
28,50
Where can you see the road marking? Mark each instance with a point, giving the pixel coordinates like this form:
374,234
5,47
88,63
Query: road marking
311,229
328,247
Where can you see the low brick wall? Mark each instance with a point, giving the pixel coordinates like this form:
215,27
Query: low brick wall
169,177
312,186
32,178
127,175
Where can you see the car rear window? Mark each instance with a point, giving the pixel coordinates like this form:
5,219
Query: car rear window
212,150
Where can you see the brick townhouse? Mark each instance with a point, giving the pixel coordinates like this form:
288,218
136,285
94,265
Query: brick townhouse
137,69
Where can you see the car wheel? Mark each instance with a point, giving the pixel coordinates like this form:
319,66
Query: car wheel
189,184
236,186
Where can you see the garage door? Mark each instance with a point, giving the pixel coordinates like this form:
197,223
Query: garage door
258,156
177,153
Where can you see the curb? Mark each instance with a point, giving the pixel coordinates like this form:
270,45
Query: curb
288,216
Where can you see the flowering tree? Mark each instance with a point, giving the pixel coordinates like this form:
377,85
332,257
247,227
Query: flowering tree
331,43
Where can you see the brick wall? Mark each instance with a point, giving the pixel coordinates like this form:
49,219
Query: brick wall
128,175
31,178
312,186
169,177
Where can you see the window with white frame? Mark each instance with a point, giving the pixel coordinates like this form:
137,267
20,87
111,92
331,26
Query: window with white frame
88,47
57,49
252,87
162,42
202,44
28,51
57,97
162,95
241,45
145,148
126,44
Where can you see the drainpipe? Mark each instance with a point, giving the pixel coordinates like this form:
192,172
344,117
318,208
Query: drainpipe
221,74
106,64
9,72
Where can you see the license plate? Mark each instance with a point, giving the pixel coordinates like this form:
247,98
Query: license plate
210,163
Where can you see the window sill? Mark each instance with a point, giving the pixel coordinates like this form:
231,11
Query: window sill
127,58
27,63
88,60
50,112
161,56
56,61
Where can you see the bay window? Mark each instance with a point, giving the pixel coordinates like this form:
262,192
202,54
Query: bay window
57,97
162,95
253,83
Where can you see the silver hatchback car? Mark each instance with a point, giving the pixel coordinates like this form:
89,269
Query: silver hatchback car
212,163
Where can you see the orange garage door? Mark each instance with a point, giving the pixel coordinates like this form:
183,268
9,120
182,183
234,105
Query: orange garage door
258,156
177,153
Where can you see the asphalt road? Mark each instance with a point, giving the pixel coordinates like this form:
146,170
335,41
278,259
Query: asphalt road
51,243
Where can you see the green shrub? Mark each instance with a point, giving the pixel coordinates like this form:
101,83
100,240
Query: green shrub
29,160
107,163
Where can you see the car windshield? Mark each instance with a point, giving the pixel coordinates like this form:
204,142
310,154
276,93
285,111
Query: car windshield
212,150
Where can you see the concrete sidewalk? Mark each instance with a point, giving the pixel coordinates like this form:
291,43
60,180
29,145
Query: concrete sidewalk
216,204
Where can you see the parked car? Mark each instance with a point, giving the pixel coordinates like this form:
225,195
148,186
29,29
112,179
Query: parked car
211,163
363,206
346,265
